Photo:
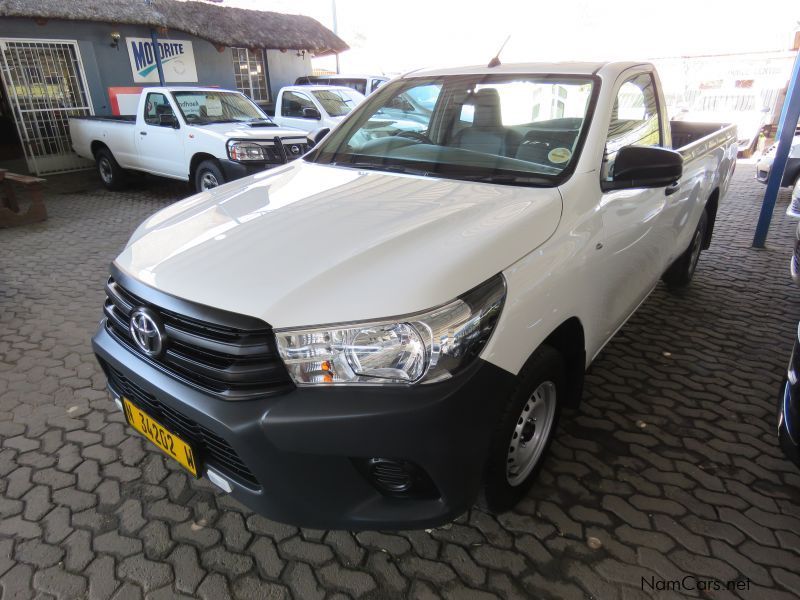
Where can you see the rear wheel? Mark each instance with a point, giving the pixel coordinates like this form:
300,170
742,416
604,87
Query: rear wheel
524,431
111,174
208,176
681,272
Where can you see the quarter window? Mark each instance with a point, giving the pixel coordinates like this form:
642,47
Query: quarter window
250,73
634,120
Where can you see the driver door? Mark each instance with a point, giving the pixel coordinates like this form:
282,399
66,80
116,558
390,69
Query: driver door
292,105
158,143
633,219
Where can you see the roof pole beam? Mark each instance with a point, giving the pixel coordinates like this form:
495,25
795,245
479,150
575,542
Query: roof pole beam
157,54
786,128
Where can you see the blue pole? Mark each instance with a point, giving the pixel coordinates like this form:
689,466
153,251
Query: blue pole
786,129
157,54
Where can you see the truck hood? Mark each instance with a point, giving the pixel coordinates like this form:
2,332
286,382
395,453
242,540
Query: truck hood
309,244
226,131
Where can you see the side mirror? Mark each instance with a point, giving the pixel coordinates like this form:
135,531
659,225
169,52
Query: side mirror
315,137
645,167
168,121
311,113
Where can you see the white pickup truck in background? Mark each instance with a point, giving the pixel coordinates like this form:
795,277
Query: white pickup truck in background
314,107
206,136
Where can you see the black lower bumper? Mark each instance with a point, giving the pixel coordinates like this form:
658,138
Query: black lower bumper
307,449
789,409
236,170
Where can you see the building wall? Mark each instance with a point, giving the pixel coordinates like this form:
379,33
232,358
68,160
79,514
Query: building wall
106,67
285,67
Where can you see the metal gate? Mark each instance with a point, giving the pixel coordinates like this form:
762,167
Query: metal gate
45,85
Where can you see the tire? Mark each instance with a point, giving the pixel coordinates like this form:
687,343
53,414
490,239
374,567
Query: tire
680,273
207,176
111,174
512,465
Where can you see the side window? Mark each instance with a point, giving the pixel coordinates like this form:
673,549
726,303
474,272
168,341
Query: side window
156,106
293,104
634,120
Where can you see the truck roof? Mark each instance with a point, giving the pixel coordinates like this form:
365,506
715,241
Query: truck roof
316,86
566,68
188,88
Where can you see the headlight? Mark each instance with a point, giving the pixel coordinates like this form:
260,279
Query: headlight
419,348
243,151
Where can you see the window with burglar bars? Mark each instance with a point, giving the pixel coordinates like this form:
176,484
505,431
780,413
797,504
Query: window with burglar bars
250,72
45,86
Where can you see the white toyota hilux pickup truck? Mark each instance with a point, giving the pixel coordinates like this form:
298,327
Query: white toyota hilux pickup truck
205,136
386,330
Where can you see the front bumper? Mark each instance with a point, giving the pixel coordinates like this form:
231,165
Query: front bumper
790,174
306,448
789,409
236,170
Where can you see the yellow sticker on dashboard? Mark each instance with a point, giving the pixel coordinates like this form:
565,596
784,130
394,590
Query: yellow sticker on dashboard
559,155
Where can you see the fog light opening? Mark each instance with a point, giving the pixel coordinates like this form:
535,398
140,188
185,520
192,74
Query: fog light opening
397,478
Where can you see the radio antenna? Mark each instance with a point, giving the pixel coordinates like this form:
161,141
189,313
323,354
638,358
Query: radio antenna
496,60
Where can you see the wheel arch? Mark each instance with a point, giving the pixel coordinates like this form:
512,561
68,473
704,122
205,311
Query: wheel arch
712,204
195,162
569,340
97,145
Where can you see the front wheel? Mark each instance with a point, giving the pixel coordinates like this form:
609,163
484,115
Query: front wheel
524,431
681,272
208,176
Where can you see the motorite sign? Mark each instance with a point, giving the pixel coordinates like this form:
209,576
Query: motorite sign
177,60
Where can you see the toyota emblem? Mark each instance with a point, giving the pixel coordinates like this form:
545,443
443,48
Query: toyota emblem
295,149
146,331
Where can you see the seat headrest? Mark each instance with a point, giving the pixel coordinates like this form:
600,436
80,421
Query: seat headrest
163,109
487,109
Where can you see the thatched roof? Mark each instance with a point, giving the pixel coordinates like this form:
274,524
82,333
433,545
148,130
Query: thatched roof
222,25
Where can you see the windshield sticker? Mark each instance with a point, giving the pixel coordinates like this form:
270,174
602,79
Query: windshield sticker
559,155
213,106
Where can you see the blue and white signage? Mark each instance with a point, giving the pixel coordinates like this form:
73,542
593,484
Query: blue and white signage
177,60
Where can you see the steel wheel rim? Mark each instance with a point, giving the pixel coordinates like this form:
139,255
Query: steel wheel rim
208,181
105,170
531,432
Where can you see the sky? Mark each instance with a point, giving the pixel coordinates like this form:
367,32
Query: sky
393,37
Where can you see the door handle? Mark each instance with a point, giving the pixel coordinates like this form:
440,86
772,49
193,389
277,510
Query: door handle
142,133
672,188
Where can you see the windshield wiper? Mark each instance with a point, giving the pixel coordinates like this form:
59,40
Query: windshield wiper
506,179
261,122
383,167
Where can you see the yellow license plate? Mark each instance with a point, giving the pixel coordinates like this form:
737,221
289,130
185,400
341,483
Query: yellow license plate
168,442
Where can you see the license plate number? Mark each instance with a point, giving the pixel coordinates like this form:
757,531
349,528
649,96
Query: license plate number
169,443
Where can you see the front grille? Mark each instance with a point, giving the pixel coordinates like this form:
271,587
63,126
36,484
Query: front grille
283,150
212,449
224,361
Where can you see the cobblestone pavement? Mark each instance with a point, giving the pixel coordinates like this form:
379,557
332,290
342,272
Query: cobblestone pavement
669,469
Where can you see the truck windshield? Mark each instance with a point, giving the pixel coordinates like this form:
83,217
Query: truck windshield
510,129
338,103
203,108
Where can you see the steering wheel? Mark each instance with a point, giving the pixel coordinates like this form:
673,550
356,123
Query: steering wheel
191,117
415,135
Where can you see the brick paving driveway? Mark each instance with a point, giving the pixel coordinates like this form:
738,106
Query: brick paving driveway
669,469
